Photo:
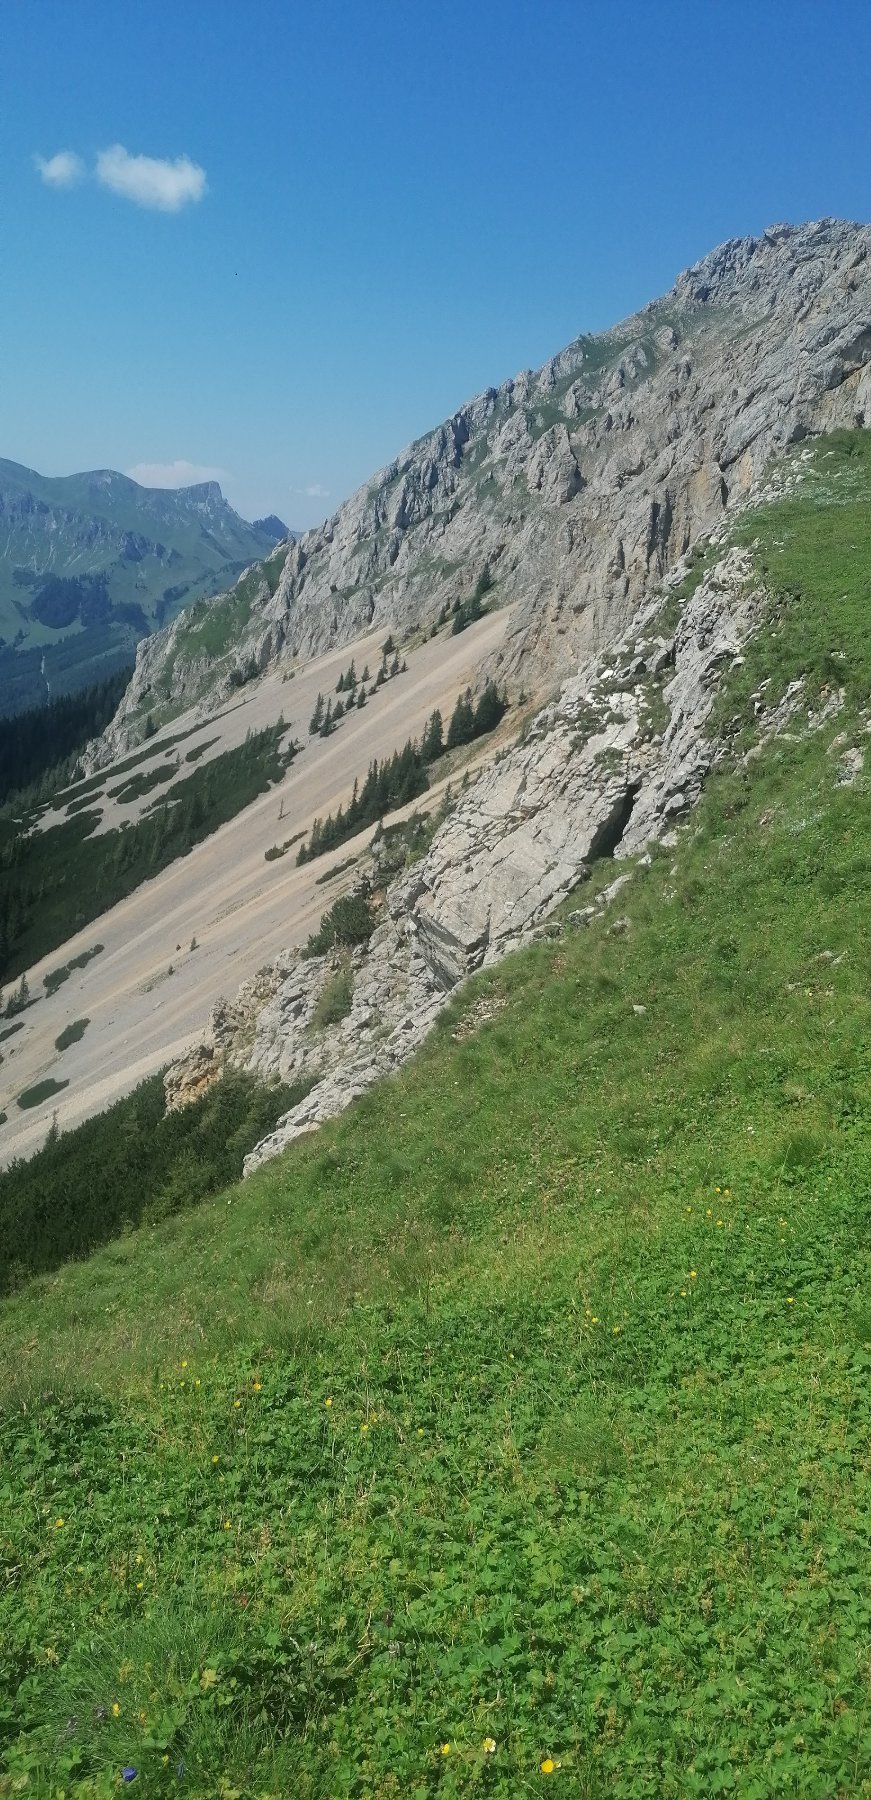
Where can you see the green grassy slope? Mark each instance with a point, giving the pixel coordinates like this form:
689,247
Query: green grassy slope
513,1432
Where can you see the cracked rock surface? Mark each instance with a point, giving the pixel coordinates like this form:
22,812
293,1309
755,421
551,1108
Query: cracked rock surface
576,487
593,777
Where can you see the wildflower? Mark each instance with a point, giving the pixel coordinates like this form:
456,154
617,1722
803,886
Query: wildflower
184,1364
216,1459
257,1386
547,1767
116,1710
616,1328
129,1774
692,1275
446,1749
719,1222
237,1403
489,1746
329,1400
364,1428
683,1293
228,1526
718,1190
140,1584
197,1382
790,1300
139,1558
208,1679
58,1523
594,1320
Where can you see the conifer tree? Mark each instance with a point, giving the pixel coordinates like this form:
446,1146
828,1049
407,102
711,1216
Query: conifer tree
462,726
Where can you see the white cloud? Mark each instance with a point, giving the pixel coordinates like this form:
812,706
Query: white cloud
64,170
314,492
175,474
151,180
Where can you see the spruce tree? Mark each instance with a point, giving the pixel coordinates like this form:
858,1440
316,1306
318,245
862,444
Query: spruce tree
489,710
433,743
462,726
317,717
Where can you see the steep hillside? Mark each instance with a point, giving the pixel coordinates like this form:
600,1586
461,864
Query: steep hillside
571,490
91,563
512,1434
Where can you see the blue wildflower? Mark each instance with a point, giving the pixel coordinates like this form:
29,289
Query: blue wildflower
129,1774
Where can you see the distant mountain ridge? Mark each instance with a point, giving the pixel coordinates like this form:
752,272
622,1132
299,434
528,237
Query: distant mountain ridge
91,563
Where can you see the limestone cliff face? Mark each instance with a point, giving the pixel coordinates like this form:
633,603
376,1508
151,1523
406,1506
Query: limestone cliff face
604,770
576,487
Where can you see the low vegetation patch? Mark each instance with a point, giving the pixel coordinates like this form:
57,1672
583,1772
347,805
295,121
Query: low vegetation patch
349,921
42,1090
56,977
143,782
71,1034
200,750
334,1000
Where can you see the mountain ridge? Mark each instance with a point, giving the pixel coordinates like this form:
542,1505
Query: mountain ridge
90,562
572,488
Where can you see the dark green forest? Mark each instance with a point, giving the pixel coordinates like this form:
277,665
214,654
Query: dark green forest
132,1165
54,882
45,740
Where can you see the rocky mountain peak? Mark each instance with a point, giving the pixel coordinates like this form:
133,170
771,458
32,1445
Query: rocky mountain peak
577,486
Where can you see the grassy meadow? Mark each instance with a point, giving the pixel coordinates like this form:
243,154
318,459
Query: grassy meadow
510,1436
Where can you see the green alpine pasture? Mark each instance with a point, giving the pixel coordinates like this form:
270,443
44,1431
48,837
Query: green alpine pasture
511,1435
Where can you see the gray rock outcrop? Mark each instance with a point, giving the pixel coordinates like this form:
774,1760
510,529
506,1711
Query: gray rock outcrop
577,487
609,766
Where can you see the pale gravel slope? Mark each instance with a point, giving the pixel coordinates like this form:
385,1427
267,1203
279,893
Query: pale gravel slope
242,910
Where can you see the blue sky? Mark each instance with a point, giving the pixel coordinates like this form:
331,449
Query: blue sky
380,208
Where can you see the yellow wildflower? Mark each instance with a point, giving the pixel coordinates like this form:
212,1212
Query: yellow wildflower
58,1523
446,1749
329,1400
184,1364
692,1275
790,1300
257,1386
489,1746
237,1403
548,1766
116,1710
